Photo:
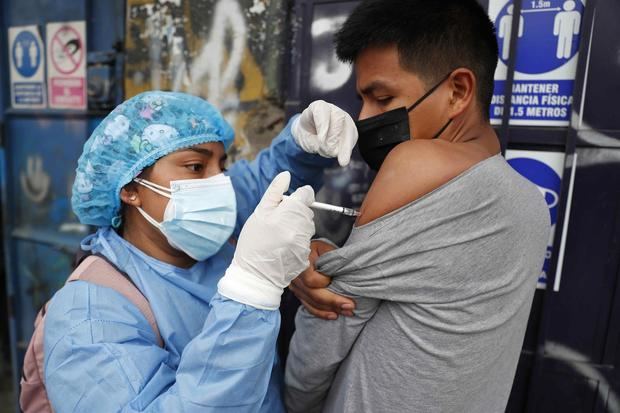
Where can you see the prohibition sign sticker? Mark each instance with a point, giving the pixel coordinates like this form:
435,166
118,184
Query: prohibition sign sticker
66,65
67,50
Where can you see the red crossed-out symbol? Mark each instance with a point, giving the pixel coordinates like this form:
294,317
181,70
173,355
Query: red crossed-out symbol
67,50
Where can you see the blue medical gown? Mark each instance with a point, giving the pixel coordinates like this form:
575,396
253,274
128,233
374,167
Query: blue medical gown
101,354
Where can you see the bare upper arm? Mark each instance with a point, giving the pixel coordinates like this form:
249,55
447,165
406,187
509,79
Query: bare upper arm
412,170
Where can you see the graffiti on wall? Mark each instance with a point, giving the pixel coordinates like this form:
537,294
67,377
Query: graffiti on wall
328,73
34,180
333,80
230,52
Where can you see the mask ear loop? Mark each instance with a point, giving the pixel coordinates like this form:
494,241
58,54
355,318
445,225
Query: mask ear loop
149,218
157,189
427,94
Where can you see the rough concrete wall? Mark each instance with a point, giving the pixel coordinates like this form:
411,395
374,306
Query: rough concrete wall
231,52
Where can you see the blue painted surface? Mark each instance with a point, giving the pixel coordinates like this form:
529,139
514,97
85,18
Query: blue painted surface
37,167
23,12
40,170
4,99
40,148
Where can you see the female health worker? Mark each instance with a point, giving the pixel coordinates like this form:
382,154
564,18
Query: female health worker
151,179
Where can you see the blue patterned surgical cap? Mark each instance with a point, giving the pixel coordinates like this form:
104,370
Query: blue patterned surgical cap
134,136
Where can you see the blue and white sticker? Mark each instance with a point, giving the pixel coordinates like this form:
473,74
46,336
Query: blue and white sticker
546,60
27,61
545,170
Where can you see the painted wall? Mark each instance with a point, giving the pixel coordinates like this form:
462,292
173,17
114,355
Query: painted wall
231,52
40,151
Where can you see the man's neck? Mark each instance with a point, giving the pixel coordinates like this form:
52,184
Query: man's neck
473,131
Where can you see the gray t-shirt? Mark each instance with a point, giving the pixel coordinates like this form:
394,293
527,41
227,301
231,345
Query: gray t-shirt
443,287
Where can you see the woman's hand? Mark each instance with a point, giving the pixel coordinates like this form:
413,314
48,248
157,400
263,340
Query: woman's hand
273,246
326,129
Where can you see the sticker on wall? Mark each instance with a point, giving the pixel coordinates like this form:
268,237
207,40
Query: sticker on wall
66,65
546,60
27,62
545,170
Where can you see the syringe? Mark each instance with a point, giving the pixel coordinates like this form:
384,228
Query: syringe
350,212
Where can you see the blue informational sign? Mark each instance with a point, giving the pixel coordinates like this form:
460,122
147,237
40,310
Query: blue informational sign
543,169
27,60
26,53
545,62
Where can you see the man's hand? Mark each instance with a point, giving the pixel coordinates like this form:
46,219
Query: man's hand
326,129
310,289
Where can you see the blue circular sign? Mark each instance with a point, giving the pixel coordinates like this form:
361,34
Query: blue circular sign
26,54
548,35
543,176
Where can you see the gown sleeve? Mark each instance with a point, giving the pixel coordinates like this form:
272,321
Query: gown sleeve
101,355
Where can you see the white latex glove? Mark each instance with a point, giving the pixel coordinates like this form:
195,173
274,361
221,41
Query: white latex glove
273,247
326,129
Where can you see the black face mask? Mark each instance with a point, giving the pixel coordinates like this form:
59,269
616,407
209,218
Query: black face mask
378,135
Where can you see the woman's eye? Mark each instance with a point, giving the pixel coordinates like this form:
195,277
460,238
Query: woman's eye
384,100
195,167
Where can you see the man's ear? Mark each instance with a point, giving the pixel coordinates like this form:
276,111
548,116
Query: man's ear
130,196
463,86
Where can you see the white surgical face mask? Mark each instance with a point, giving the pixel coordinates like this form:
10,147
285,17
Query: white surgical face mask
200,216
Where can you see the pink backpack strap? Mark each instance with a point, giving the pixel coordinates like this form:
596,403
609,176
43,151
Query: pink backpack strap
97,270
33,396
